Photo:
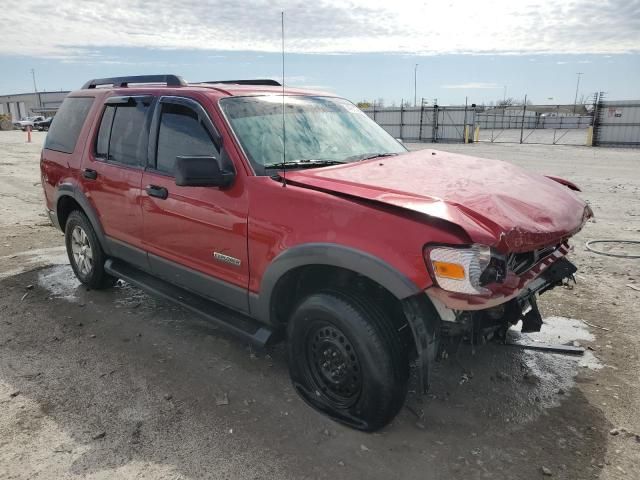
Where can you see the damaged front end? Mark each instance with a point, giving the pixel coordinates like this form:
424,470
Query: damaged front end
497,293
480,326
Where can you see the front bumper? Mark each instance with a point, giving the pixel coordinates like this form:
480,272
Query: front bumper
501,293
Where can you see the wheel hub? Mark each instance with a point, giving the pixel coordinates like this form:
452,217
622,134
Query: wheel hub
334,365
81,249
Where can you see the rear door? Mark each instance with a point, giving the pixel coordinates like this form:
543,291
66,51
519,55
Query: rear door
112,173
196,237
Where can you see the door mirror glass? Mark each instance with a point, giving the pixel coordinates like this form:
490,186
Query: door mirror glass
201,171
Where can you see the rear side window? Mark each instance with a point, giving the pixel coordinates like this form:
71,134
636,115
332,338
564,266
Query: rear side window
181,133
122,136
64,131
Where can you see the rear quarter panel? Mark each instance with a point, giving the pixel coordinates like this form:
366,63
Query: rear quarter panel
59,168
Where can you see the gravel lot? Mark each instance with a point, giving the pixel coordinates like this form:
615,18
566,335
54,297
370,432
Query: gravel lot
115,384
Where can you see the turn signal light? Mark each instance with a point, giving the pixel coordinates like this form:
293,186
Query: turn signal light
448,270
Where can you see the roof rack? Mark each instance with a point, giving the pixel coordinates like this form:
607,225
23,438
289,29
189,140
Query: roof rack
259,81
118,82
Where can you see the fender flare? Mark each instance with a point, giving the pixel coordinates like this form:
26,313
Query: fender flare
329,254
69,189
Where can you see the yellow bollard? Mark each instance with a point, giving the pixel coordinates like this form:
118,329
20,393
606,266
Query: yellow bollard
589,142
477,134
466,134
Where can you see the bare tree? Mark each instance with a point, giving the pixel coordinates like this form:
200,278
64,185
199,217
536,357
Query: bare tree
505,102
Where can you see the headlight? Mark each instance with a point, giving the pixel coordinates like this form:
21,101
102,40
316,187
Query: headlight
465,270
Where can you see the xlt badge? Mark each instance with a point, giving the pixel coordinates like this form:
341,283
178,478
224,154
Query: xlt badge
221,257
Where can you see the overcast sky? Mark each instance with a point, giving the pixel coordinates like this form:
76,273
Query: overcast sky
358,48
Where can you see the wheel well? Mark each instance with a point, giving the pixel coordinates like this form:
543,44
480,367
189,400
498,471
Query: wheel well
300,282
66,205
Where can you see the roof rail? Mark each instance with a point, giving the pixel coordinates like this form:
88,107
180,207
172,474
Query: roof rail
170,80
259,81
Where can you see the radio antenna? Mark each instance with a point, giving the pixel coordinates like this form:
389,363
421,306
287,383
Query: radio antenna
284,130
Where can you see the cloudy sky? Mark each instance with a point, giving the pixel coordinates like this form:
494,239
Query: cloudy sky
357,48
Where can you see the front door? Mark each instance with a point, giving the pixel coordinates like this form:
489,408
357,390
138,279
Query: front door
196,237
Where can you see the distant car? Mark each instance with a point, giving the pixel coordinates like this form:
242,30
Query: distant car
43,125
27,122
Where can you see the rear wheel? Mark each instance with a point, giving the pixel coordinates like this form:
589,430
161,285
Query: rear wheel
85,252
346,359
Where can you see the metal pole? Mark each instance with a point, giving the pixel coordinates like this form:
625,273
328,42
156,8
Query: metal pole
415,85
464,126
401,117
35,88
524,111
575,100
421,115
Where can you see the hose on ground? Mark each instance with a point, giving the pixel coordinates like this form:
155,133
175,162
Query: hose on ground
608,254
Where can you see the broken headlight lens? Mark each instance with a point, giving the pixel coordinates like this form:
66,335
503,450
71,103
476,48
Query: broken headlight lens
466,270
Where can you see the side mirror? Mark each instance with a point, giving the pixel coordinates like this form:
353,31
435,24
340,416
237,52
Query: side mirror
201,171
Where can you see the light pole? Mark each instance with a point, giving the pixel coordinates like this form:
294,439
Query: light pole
415,85
35,88
575,100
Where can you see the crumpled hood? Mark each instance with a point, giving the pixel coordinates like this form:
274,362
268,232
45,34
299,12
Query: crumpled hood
496,203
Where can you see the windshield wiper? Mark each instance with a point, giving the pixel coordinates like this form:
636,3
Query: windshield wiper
368,156
302,164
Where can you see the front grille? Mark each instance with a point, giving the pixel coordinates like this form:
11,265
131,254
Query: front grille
519,263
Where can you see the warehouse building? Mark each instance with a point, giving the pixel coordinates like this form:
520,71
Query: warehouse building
23,105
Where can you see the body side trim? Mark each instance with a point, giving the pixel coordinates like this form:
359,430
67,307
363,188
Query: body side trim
330,254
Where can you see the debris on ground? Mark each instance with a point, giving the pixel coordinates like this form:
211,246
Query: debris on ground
547,472
14,394
99,435
222,399
614,432
364,448
633,287
597,326
168,396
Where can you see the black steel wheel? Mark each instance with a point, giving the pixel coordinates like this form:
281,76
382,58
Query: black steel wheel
346,359
332,364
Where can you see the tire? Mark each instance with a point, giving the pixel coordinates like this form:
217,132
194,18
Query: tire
346,360
85,252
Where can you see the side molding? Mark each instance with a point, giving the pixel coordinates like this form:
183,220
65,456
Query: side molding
333,255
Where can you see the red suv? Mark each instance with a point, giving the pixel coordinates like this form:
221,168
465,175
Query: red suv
281,211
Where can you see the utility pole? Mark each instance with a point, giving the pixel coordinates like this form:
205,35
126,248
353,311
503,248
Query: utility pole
504,95
575,100
35,88
415,85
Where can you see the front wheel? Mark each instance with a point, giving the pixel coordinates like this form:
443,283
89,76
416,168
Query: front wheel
85,252
346,359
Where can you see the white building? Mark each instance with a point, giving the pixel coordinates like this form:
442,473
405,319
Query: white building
23,105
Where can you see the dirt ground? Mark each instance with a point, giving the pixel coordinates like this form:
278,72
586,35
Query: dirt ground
116,384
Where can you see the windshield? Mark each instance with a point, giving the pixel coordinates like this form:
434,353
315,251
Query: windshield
319,131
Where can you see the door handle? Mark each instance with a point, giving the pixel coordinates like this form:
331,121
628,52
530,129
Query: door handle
90,174
156,191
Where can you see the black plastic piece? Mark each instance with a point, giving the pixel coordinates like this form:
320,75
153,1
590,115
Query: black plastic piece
424,321
119,82
260,81
201,171
90,174
236,323
157,192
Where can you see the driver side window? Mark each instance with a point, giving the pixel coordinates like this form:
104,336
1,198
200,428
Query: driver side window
180,133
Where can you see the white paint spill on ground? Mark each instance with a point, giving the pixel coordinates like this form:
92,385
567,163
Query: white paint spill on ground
60,282
555,373
31,259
